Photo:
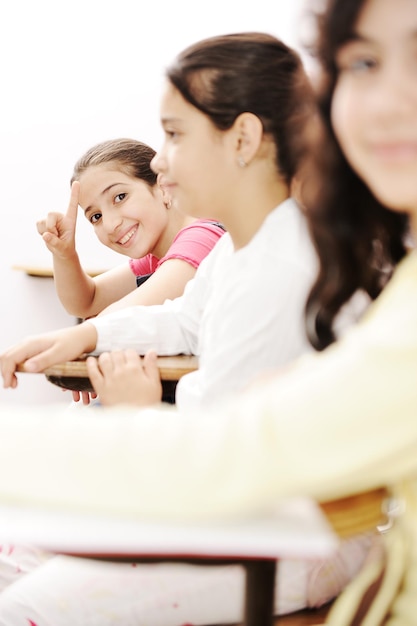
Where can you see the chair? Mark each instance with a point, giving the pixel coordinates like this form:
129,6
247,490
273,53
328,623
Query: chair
298,528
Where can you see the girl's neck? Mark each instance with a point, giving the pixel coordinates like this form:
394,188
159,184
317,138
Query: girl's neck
176,221
252,214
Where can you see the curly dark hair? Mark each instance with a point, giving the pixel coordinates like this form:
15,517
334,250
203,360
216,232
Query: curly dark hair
358,240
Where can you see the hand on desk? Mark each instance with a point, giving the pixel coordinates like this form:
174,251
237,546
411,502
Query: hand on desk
42,351
123,377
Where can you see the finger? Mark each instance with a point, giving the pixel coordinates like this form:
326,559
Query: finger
15,357
72,210
107,361
121,359
50,224
150,365
9,380
86,398
132,358
41,226
94,373
42,360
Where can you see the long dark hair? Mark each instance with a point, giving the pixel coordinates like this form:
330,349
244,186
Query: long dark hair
358,240
227,75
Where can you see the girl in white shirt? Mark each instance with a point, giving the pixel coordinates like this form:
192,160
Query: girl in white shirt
232,112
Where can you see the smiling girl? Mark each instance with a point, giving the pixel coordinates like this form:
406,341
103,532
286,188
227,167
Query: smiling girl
132,214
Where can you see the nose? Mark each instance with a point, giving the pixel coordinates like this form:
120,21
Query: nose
158,163
111,221
396,95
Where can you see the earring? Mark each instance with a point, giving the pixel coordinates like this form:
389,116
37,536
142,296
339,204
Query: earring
241,161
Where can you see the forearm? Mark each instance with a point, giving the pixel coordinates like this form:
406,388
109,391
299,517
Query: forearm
166,283
38,352
238,459
74,287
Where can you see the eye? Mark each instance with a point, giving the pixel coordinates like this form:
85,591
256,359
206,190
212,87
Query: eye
94,218
354,59
362,65
171,134
120,197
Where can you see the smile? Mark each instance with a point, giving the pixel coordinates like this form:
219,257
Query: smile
124,240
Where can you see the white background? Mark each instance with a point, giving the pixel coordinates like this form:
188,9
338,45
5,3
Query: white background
73,74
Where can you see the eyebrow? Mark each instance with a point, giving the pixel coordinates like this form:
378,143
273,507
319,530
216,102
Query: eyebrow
102,193
170,120
355,36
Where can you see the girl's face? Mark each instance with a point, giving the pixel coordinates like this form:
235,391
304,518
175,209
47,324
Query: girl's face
127,215
374,108
195,159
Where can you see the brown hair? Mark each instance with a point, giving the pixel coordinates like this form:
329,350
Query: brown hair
358,240
227,75
131,156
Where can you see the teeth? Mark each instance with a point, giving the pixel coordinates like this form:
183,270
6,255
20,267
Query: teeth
128,236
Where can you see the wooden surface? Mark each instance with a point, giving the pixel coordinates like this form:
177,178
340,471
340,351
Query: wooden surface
73,375
47,272
357,513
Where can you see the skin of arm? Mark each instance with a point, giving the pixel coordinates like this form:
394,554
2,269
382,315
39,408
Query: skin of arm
42,351
166,283
84,296
39,352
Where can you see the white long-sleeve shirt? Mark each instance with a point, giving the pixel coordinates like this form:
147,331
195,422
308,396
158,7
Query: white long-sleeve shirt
241,314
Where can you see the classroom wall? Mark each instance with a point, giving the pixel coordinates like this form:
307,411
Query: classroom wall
72,74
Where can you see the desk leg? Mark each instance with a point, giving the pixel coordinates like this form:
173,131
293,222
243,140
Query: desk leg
259,596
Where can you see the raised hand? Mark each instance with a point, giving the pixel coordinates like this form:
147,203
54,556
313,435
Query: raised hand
58,229
123,377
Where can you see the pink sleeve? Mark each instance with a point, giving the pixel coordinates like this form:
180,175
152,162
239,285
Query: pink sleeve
191,244
146,265
194,242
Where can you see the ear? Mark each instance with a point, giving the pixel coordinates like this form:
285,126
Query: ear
166,198
249,133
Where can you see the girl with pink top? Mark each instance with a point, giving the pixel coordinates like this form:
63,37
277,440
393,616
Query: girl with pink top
132,214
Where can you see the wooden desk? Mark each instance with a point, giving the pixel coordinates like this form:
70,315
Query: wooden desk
296,529
73,375
39,271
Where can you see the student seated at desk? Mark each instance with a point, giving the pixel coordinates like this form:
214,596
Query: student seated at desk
231,150
133,214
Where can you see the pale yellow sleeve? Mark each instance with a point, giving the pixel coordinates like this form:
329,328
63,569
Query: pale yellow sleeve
339,421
